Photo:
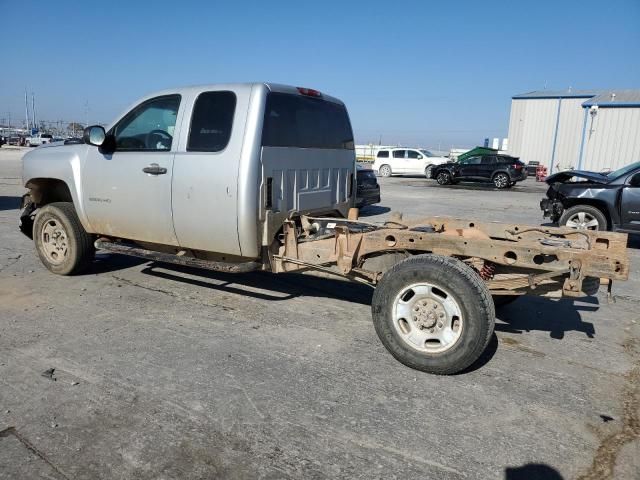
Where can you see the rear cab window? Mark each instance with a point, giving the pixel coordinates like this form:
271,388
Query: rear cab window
305,122
211,121
383,154
398,153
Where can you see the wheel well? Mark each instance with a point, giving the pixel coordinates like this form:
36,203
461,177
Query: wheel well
48,190
499,172
568,203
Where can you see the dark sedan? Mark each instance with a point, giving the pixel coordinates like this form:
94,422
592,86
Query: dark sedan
595,201
368,190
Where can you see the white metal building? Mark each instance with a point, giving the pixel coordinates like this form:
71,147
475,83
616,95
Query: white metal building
581,129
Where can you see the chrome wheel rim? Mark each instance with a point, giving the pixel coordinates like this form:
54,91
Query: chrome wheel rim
385,171
55,241
443,178
583,221
501,181
427,318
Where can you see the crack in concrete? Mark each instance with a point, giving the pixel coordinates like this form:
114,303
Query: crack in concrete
29,446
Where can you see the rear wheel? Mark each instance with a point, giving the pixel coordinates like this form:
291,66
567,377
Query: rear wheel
385,170
501,180
583,217
433,313
63,245
443,178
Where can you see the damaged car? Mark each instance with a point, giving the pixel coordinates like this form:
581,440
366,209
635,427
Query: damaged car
595,201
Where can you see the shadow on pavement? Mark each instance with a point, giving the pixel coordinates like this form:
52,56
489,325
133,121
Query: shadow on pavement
290,284
555,316
532,471
487,355
9,203
371,210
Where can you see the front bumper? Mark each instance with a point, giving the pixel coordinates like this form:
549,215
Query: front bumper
367,196
551,209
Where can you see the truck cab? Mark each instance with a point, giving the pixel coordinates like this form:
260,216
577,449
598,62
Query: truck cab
212,169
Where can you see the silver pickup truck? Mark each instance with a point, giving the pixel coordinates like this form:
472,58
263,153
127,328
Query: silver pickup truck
244,177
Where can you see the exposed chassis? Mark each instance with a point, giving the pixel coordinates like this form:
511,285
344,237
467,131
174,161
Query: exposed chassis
512,259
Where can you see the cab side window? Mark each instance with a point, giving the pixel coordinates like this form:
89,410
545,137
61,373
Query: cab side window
149,127
413,154
398,153
383,154
488,160
211,122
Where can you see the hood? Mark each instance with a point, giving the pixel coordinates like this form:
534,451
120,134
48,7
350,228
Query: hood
564,177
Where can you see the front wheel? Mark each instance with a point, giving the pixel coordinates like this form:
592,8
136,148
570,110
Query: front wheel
433,313
583,217
428,171
63,245
443,178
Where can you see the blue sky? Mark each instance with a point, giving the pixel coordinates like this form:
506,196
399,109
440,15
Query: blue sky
428,73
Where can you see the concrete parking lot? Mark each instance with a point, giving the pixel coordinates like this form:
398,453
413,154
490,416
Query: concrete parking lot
164,372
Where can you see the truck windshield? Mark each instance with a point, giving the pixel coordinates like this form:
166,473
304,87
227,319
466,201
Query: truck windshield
304,122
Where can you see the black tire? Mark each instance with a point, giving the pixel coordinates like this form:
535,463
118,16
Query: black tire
443,177
467,289
500,301
594,213
501,180
79,251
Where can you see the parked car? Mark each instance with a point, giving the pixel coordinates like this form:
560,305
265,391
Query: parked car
595,201
367,190
406,161
3,140
39,139
501,170
532,167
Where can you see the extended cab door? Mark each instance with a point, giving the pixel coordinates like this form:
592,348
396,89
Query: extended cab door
630,203
205,174
127,193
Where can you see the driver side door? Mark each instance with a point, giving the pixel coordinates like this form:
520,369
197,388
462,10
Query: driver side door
127,193
630,203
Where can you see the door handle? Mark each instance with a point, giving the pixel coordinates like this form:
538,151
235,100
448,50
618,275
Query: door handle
154,169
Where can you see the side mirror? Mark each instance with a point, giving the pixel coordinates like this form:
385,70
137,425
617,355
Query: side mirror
635,180
419,157
94,135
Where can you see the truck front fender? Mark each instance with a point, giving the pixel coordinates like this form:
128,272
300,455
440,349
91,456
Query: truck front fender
54,173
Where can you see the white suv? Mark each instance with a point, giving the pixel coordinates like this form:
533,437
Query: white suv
406,161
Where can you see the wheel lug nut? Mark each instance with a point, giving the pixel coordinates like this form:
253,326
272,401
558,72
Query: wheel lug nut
440,324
